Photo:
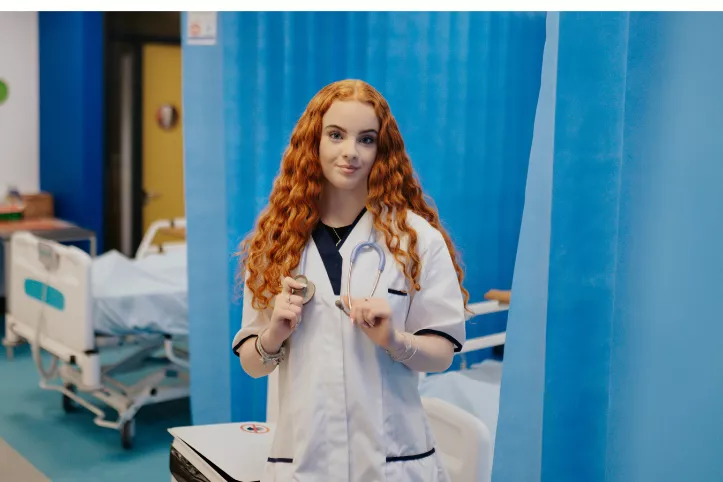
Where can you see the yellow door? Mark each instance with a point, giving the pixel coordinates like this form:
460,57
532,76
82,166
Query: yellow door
162,134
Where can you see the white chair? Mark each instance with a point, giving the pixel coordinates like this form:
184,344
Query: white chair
463,441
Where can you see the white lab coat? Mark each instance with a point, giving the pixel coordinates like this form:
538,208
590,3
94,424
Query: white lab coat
347,411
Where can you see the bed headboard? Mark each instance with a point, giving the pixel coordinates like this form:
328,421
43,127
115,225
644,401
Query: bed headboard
51,281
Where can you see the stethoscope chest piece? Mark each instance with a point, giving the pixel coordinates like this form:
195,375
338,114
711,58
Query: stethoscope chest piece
305,293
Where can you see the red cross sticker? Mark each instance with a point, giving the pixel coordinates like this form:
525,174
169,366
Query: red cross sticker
254,428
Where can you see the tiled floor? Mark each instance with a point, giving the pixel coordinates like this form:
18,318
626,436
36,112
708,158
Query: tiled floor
70,447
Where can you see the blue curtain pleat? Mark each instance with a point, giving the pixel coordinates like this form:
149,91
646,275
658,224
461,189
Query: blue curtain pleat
519,426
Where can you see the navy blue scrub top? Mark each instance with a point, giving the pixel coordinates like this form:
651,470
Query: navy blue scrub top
328,241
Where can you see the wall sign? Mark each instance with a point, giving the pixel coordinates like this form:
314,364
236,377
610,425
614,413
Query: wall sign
202,28
4,91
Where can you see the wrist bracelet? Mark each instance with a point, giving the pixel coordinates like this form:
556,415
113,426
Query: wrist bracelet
409,340
269,358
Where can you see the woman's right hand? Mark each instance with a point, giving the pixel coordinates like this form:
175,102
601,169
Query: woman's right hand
285,317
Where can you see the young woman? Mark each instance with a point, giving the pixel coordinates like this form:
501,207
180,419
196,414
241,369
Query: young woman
349,406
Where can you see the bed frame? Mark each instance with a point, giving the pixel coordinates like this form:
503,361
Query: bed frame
51,309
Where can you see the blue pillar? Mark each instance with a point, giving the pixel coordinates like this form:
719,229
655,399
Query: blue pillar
219,211
72,109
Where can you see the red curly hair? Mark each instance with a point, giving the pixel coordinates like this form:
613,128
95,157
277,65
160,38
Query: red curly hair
274,248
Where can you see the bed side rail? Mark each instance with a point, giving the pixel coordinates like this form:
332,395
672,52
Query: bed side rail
488,341
174,229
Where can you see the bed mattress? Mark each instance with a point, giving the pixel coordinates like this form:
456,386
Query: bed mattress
148,295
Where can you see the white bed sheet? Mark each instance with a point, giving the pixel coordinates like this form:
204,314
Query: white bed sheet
475,390
148,295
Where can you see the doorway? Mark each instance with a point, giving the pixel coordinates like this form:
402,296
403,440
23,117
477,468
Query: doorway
144,157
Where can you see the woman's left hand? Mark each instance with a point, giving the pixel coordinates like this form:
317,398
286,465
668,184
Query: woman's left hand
373,316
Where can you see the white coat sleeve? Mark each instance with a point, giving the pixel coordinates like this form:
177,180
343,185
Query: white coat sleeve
252,322
438,308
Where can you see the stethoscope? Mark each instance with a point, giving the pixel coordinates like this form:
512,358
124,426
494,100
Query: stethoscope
308,291
352,259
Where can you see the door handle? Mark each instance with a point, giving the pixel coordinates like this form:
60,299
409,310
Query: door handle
148,196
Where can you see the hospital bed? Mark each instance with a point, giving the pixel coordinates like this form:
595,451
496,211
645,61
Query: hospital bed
463,424
73,307
463,405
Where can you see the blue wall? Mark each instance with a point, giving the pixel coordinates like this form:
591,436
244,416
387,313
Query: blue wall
72,123
632,327
463,87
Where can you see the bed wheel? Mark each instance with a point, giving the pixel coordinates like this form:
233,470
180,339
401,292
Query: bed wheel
69,405
127,431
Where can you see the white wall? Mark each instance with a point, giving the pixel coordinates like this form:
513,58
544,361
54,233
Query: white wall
19,117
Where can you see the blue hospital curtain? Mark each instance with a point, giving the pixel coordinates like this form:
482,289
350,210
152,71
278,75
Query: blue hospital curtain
519,433
626,321
463,87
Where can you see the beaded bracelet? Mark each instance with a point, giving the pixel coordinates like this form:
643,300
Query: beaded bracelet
268,358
